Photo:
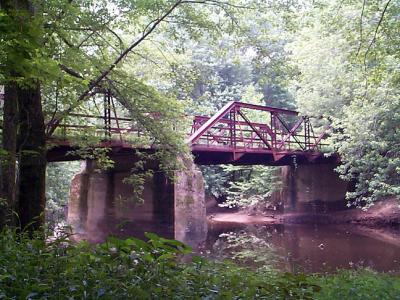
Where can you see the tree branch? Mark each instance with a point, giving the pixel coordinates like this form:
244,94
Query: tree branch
361,27
376,29
147,59
216,2
53,125
70,71
371,43
121,42
86,38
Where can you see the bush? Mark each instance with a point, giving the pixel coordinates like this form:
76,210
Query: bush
31,268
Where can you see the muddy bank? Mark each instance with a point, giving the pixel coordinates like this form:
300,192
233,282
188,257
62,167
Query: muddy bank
384,214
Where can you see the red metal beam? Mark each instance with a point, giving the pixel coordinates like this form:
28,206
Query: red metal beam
256,131
214,119
291,132
266,108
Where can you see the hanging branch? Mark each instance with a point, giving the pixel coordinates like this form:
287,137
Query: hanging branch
361,27
56,121
371,43
376,30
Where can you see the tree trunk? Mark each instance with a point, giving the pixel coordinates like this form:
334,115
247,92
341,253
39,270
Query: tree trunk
32,159
24,130
8,159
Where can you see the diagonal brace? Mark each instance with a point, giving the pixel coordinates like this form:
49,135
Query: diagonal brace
255,129
292,131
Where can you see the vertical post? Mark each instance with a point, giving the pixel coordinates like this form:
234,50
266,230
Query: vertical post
232,129
107,114
193,128
309,132
116,117
273,128
279,129
307,140
64,132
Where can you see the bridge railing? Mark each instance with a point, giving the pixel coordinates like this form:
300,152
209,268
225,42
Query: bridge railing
274,130
116,129
111,128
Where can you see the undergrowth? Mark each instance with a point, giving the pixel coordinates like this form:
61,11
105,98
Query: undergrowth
32,268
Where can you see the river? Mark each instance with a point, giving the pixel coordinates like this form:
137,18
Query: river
302,248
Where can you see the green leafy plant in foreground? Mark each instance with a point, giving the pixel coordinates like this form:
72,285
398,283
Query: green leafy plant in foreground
32,268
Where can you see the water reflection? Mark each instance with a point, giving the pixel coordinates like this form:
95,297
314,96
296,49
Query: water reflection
306,248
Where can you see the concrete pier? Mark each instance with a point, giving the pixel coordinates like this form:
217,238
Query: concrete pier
313,188
101,204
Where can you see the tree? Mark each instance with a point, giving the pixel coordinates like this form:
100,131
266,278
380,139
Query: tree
249,65
55,53
347,72
23,116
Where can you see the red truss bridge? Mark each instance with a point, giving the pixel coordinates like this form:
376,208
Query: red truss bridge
247,134
239,133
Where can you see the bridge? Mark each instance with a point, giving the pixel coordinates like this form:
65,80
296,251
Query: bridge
239,133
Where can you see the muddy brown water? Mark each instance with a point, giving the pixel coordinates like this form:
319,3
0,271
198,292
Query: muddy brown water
303,248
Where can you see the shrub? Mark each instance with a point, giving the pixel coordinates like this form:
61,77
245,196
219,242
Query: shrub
32,268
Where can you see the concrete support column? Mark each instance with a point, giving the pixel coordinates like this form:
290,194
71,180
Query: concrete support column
313,188
77,205
102,204
190,208
88,203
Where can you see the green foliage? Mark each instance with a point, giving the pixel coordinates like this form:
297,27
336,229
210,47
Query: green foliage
64,46
369,149
116,268
327,82
248,65
337,59
135,269
242,186
215,181
357,285
347,73
58,182
251,186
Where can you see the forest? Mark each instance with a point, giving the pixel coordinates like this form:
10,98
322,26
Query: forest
84,74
